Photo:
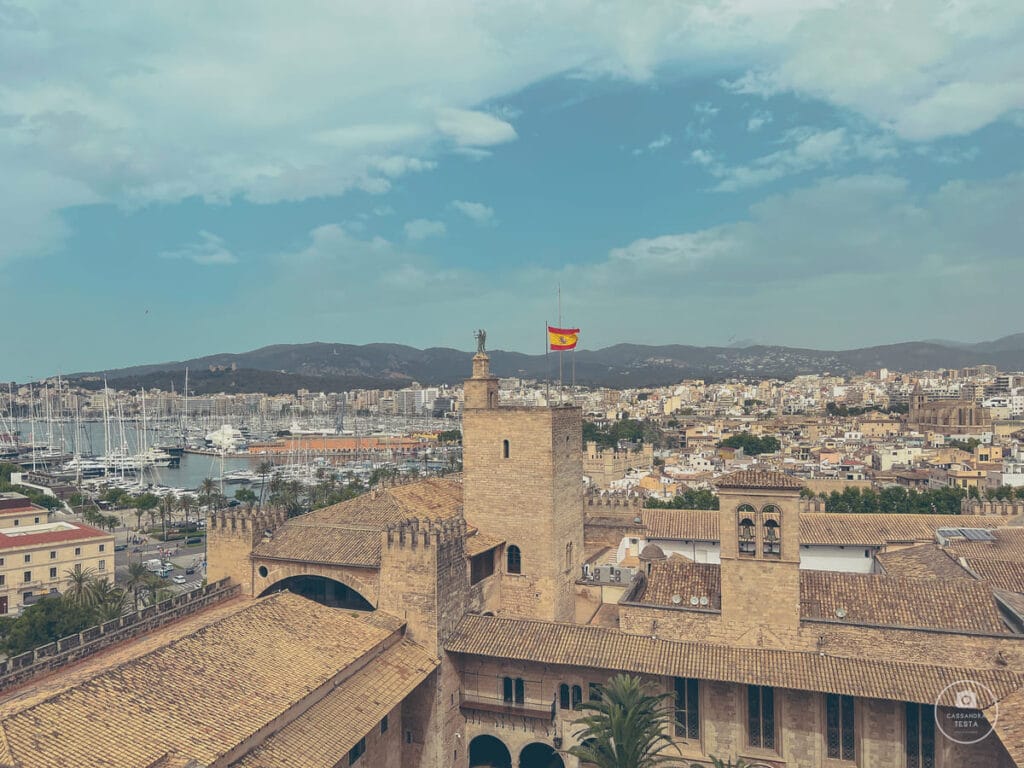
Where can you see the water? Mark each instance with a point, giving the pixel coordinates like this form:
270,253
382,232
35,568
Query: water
194,468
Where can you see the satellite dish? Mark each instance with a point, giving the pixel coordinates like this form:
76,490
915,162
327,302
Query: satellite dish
703,601
677,599
694,601
841,613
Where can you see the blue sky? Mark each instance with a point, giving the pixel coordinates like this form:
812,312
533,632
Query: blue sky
805,172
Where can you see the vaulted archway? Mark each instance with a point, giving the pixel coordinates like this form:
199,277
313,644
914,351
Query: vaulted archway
539,755
489,752
323,590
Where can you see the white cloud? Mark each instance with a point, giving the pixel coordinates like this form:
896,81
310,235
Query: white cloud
209,250
474,129
809,149
420,229
758,120
478,212
800,267
702,157
130,105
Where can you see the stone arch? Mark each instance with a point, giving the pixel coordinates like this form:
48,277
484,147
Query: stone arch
540,755
490,751
322,589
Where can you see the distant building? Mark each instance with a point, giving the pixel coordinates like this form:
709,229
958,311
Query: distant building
36,555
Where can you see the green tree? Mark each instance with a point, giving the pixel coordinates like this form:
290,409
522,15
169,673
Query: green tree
79,590
626,728
48,620
752,445
263,470
247,496
136,581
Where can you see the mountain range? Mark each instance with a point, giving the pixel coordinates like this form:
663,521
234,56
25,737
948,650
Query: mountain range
337,367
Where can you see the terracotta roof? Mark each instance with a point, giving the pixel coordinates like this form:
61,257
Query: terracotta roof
1008,545
1009,725
610,649
826,527
80,531
320,543
481,542
349,533
921,560
688,524
880,529
761,479
323,735
193,696
957,605
682,577
1001,574
433,498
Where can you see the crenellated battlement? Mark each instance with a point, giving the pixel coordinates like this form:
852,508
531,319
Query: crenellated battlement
415,532
630,502
1004,508
226,521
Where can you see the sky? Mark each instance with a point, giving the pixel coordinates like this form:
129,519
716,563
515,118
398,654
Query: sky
185,178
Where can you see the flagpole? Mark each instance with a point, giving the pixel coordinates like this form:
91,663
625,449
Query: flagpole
560,389
547,363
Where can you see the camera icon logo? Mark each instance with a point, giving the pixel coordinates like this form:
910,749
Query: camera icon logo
966,699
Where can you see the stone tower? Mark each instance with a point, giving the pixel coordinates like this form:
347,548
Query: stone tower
759,522
523,482
424,581
231,536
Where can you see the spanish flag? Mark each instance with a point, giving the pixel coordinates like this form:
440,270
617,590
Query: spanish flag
563,338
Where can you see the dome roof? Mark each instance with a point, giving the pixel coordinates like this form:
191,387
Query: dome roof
652,552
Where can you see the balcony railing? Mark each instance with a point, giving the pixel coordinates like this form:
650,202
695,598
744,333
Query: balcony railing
535,710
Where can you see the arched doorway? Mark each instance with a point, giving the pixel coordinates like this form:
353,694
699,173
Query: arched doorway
539,755
325,591
490,752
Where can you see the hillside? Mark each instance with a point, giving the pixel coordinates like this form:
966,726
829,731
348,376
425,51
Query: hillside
336,367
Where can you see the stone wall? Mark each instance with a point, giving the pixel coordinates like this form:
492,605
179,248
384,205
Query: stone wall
976,507
800,721
533,499
67,650
231,537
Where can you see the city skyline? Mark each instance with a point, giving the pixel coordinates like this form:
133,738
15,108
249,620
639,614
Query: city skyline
788,173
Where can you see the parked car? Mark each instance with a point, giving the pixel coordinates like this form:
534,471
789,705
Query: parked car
179,579
190,570
120,547
194,540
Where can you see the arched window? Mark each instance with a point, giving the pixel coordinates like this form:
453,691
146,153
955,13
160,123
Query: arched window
746,531
563,696
577,697
515,560
506,690
771,522
520,690
504,449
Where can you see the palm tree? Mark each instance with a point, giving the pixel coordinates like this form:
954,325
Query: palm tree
626,728
137,576
79,592
109,601
186,503
167,505
263,470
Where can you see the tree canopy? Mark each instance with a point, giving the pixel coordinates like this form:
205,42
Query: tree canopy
691,498
752,445
626,728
